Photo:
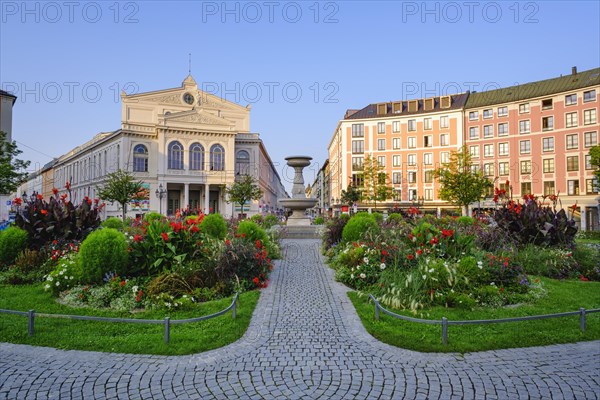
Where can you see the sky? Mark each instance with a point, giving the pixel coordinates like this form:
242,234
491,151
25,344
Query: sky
300,65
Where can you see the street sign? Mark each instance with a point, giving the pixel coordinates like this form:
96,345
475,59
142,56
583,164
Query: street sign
8,202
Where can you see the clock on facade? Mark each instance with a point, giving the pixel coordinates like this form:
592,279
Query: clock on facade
188,98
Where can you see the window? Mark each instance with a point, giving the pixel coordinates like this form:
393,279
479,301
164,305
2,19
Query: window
547,123
474,151
591,186
428,141
503,169
444,157
488,131
525,188
546,104
573,187
396,143
412,142
412,177
357,163
427,123
358,130
526,167
428,159
444,139
488,169
503,129
590,95
428,177
548,144
549,188
396,178
588,161
503,149
523,108
524,126
589,116
590,139
396,126
175,155
412,194
473,115
474,132
573,163
358,146
217,158
525,146
140,158
502,111
548,165
358,180
488,150
397,194
570,99
396,160
571,119
428,194
381,161
572,141
444,122
412,159
380,144
489,113
197,159
475,168
381,127
412,125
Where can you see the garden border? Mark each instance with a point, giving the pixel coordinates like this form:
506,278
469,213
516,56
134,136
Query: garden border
445,322
31,314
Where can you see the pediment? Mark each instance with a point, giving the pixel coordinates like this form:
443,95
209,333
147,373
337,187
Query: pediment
198,117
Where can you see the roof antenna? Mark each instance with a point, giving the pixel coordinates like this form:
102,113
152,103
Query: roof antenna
190,64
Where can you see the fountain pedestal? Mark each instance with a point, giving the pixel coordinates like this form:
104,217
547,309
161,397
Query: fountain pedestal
299,203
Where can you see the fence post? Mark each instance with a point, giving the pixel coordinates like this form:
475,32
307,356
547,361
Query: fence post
582,321
30,322
167,329
376,310
234,308
444,331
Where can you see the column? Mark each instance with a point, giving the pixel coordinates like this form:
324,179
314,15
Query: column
206,198
583,218
186,195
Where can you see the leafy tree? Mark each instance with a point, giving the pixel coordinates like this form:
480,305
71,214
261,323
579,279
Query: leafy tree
458,183
375,181
121,187
351,195
244,190
10,167
595,161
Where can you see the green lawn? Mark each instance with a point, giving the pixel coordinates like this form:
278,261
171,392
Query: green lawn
562,296
120,337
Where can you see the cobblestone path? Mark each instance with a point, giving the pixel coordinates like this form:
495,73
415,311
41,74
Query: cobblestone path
305,341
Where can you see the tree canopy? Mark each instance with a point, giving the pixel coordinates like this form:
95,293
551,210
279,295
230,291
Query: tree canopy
12,170
376,182
121,187
244,190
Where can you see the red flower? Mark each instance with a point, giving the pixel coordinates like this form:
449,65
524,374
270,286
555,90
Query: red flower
583,278
194,229
243,235
17,201
573,207
447,232
419,252
44,212
40,197
227,242
256,281
165,236
68,185
410,256
55,191
434,241
63,196
123,283
258,244
138,238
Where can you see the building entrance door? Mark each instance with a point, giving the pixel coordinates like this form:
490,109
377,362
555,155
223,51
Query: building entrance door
214,202
173,199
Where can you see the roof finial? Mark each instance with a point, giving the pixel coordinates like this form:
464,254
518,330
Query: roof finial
190,63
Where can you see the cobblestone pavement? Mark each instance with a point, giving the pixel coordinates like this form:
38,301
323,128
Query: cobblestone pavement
305,341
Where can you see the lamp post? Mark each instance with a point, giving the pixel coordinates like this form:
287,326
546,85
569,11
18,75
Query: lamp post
160,193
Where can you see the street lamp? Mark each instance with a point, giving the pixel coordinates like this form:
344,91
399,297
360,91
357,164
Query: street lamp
160,193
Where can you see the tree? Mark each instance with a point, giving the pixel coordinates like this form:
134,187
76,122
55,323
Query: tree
375,181
10,167
244,190
459,184
595,161
351,195
121,187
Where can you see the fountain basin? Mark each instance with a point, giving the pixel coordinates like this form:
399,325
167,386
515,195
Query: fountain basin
298,207
298,161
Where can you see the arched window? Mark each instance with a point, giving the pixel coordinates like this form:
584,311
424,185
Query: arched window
140,158
196,157
175,155
217,158
242,163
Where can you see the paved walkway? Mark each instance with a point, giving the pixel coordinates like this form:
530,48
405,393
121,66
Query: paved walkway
304,341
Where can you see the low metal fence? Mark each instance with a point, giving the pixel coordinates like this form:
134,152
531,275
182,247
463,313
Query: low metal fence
445,322
167,322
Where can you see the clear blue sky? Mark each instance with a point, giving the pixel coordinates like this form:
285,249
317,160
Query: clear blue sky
354,52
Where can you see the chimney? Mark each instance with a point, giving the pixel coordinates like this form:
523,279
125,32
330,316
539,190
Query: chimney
574,70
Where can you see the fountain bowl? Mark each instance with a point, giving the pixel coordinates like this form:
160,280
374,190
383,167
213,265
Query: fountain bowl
298,161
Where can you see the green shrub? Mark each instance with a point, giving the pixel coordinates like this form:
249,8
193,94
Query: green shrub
101,252
153,216
395,218
319,221
270,221
257,219
333,233
113,223
357,227
378,217
30,260
550,262
252,232
12,241
588,261
170,283
214,225
66,275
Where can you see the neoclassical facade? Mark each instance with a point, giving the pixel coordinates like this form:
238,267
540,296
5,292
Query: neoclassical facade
182,142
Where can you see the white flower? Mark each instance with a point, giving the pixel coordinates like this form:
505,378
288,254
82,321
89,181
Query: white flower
366,260
480,264
130,237
431,270
62,272
358,267
351,276
382,266
184,296
424,277
134,289
57,283
167,304
71,277
47,287
50,279
363,276
493,284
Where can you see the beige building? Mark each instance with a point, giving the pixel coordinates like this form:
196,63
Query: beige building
184,144
7,102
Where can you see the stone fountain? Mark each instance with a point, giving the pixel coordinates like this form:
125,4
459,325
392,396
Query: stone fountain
299,203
